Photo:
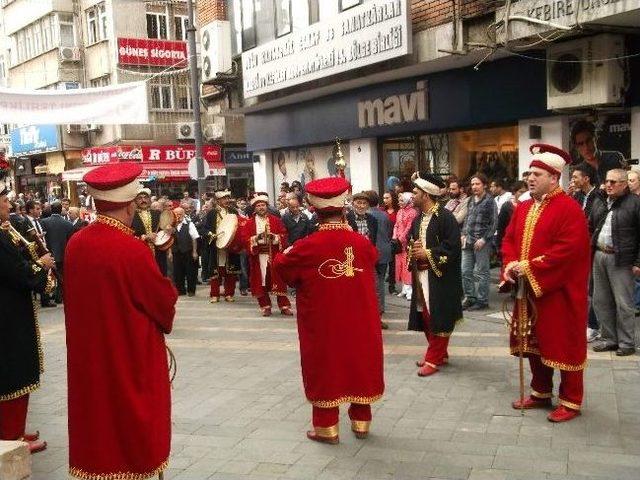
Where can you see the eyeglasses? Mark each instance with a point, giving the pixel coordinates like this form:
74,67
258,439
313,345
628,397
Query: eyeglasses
614,181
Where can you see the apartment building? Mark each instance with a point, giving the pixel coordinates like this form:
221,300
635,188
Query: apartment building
67,44
450,86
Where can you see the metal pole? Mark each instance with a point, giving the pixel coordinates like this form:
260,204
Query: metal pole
195,97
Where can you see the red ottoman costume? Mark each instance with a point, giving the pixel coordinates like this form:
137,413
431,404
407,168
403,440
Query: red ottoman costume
118,307
262,278
549,239
333,272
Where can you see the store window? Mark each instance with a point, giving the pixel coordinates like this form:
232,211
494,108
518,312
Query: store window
157,25
283,17
491,151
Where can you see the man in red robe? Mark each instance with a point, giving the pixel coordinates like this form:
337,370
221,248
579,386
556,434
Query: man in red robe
547,245
340,341
265,235
118,308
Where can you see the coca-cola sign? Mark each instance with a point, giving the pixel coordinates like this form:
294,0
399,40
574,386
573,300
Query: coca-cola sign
149,153
153,52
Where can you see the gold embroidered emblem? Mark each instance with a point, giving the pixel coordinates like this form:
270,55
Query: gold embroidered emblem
333,268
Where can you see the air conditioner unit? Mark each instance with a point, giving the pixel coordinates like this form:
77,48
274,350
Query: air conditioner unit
580,73
69,54
215,49
91,127
186,131
213,132
75,128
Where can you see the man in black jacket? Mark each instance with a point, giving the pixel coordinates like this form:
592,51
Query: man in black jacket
58,231
298,225
20,349
615,224
360,220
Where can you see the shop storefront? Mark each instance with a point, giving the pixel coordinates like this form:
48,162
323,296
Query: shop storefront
456,122
39,160
165,167
239,165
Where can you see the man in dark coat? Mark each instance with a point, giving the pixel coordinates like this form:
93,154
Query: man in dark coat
20,349
146,223
360,220
58,231
436,304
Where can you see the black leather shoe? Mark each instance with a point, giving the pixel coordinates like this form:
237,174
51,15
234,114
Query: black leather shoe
623,352
603,347
478,306
467,303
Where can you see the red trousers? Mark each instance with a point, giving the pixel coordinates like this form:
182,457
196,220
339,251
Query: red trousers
437,345
265,301
13,418
325,420
229,283
571,383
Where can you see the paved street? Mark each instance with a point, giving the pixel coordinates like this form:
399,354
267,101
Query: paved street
239,410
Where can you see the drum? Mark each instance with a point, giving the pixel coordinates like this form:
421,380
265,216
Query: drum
164,237
226,230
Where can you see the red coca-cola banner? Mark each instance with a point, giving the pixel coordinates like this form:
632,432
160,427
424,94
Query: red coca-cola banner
150,153
152,52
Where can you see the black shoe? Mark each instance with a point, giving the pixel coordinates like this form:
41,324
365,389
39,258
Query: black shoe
191,294
392,288
48,305
467,303
623,352
478,306
603,347
384,325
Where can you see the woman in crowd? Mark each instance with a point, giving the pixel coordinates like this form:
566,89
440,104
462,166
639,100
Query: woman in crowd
390,207
404,219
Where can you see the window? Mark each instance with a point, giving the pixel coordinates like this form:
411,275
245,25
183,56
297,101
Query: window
67,31
157,25
47,34
100,81
314,11
183,96
3,72
181,24
347,4
161,96
248,24
96,23
92,26
283,17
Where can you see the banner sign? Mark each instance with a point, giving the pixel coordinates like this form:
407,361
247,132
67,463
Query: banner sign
149,153
115,104
152,52
360,36
34,139
237,157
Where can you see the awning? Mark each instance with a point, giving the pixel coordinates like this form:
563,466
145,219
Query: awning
176,170
75,174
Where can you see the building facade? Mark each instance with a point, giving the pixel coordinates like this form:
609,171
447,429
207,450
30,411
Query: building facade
66,44
453,87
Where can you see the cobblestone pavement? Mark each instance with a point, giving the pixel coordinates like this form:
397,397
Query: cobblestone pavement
239,411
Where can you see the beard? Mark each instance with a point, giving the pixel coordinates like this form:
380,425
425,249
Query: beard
455,195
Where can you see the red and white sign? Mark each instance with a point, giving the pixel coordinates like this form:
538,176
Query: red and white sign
160,161
152,52
149,153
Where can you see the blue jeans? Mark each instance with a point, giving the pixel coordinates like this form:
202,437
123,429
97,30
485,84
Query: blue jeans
381,270
475,270
636,293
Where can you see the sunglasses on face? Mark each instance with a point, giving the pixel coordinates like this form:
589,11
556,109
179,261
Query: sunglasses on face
613,182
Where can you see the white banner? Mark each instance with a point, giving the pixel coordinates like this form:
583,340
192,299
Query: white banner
115,104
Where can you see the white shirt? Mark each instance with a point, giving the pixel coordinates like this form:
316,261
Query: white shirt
502,199
193,232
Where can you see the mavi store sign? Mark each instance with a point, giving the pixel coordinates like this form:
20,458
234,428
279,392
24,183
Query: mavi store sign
34,139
